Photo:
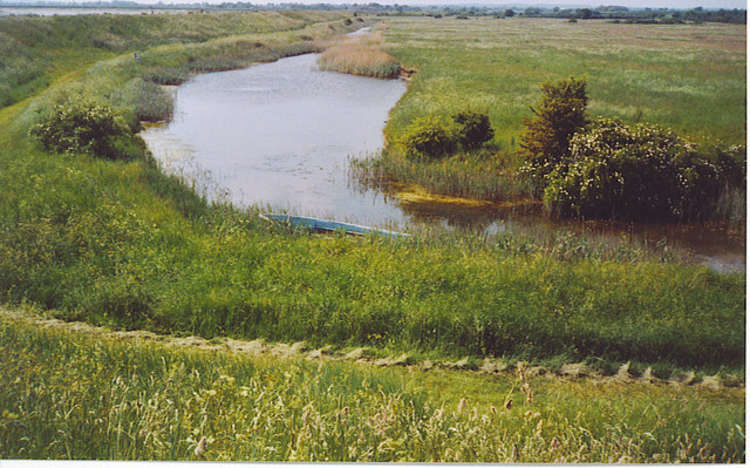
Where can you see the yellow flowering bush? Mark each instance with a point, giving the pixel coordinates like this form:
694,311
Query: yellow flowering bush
82,127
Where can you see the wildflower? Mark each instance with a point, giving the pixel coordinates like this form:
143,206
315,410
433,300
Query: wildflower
201,447
554,443
508,404
461,405
493,410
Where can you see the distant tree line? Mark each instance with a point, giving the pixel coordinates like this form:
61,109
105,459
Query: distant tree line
643,15
613,13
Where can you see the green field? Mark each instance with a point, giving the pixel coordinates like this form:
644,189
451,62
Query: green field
121,244
688,78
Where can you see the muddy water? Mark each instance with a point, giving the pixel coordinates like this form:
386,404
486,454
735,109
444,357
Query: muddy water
279,135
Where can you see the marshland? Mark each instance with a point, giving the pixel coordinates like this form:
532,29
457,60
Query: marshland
527,345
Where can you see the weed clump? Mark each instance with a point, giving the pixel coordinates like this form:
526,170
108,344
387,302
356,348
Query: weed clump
434,136
474,129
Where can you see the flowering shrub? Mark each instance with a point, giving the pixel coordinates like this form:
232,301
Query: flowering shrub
84,128
617,171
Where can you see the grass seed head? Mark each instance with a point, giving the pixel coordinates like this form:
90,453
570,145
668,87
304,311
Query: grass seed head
201,447
461,405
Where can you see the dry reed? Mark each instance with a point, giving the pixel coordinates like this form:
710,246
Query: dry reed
360,56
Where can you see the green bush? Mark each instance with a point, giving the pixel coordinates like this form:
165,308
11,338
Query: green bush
152,104
560,114
473,129
429,137
83,127
639,172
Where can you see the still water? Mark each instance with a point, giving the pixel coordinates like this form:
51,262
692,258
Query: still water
279,135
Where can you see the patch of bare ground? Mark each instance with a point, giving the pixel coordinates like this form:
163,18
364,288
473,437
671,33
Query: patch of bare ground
366,356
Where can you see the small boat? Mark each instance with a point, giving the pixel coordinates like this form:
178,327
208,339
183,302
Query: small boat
322,225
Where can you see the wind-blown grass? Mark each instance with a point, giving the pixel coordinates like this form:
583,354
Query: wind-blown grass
33,48
69,396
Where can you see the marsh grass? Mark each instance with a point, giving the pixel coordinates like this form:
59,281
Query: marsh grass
70,396
689,78
360,55
482,174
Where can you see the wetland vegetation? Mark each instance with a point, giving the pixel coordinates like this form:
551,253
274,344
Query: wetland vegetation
115,241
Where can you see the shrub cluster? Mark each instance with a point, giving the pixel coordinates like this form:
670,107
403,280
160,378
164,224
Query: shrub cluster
606,169
634,172
473,129
434,136
430,137
83,127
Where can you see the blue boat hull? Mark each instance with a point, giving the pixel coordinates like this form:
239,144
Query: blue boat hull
321,225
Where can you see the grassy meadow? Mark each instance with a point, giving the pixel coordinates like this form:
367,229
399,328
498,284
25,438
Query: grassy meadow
67,394
121,244
689,78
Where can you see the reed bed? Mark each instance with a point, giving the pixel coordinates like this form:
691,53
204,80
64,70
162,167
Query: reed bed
69,396
481,175
360,55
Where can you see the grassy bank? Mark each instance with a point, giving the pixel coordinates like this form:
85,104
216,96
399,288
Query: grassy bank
72,396
689,78
120,243
35,50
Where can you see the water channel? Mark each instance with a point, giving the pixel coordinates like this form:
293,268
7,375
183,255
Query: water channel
279,135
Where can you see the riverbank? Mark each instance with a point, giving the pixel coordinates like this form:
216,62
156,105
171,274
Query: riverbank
121,243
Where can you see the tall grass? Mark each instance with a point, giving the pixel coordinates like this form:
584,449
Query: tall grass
360,55
69,396
484,175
